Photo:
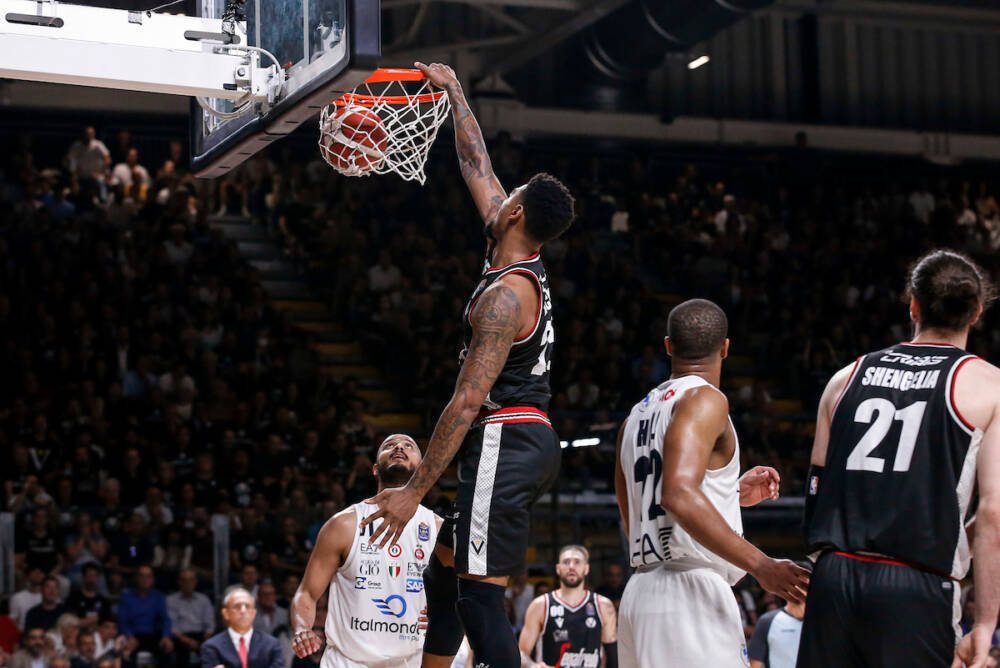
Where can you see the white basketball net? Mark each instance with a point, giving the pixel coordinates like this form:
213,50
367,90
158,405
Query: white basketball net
411,113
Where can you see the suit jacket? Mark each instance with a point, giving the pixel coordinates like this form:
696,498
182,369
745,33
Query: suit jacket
264,652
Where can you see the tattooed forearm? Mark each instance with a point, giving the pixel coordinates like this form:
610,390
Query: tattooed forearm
495,323
474,160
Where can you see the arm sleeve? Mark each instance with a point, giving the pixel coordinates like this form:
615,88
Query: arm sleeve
125,616
210,656
167,626
757,647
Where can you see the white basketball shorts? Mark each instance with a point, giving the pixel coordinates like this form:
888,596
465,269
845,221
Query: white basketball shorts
332,658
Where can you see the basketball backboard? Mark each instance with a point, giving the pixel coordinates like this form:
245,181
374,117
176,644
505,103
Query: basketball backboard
326,47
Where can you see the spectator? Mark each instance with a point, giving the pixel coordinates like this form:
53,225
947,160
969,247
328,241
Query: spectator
130,172
613,583
239,646
24,600
922,202
37,546
106,638
88,157
33,652
131,549
191,617
65,637
775,639
9,635
47,613
86,601
271,618
87,652
142,616
384,276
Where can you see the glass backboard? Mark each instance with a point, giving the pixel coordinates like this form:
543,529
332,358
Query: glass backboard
327,48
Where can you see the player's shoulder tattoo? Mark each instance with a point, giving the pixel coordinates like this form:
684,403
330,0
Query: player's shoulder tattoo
497,312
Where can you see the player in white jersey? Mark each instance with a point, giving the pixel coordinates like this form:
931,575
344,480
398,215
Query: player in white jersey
376,594
680,500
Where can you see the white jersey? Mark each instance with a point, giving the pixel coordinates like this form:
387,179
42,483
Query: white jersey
377,594
654,534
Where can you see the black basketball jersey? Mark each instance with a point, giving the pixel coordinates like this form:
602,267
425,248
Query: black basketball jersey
524,380
571,637
901,465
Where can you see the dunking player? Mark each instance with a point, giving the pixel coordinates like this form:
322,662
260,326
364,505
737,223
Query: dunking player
376,594
902,436
680,500
510,454
573,622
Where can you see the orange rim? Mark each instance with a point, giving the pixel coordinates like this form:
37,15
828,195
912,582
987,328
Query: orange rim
372,100
385,74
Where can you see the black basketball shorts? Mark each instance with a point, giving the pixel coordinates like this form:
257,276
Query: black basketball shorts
874,614
509,458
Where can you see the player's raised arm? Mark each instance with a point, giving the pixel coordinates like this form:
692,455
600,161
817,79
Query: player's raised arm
495,321
333,541
701,418
477,169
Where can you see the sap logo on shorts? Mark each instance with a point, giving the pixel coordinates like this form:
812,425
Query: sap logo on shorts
389,606
556,611
395,551
424,531
418,553
369,567
414,585
414,569
591,622
478,544
395,568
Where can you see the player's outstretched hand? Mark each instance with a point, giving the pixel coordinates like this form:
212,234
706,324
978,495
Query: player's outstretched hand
305,643
784,578
396,507
439,74
758,484
973,649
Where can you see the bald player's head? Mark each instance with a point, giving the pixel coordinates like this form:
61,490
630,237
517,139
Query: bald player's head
397,458
696,330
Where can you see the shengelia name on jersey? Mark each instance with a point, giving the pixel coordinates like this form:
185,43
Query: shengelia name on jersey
897,379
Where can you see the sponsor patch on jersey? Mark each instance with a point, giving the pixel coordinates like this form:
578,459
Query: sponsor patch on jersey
590,610
414,585
359,582
591,622
368,548
668,395
369,567
395,568
813,485
423,532
560,635
556,611
414,569
394,605
478,544
418,553
395,551
558,621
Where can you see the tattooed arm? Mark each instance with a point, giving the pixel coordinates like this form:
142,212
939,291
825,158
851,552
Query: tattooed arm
495,323
477,169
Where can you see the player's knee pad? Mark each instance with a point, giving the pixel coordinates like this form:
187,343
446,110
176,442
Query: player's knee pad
480,606
444,629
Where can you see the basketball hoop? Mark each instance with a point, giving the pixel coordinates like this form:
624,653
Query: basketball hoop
387,124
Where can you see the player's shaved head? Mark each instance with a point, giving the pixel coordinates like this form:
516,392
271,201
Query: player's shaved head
697,329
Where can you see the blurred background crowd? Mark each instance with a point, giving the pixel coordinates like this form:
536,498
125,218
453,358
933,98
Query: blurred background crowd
151,384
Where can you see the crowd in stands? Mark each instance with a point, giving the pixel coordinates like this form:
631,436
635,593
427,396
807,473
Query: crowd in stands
150,385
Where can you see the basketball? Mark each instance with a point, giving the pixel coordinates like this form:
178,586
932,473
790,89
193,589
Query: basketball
354,140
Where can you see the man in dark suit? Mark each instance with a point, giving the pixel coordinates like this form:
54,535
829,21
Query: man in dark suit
239,646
